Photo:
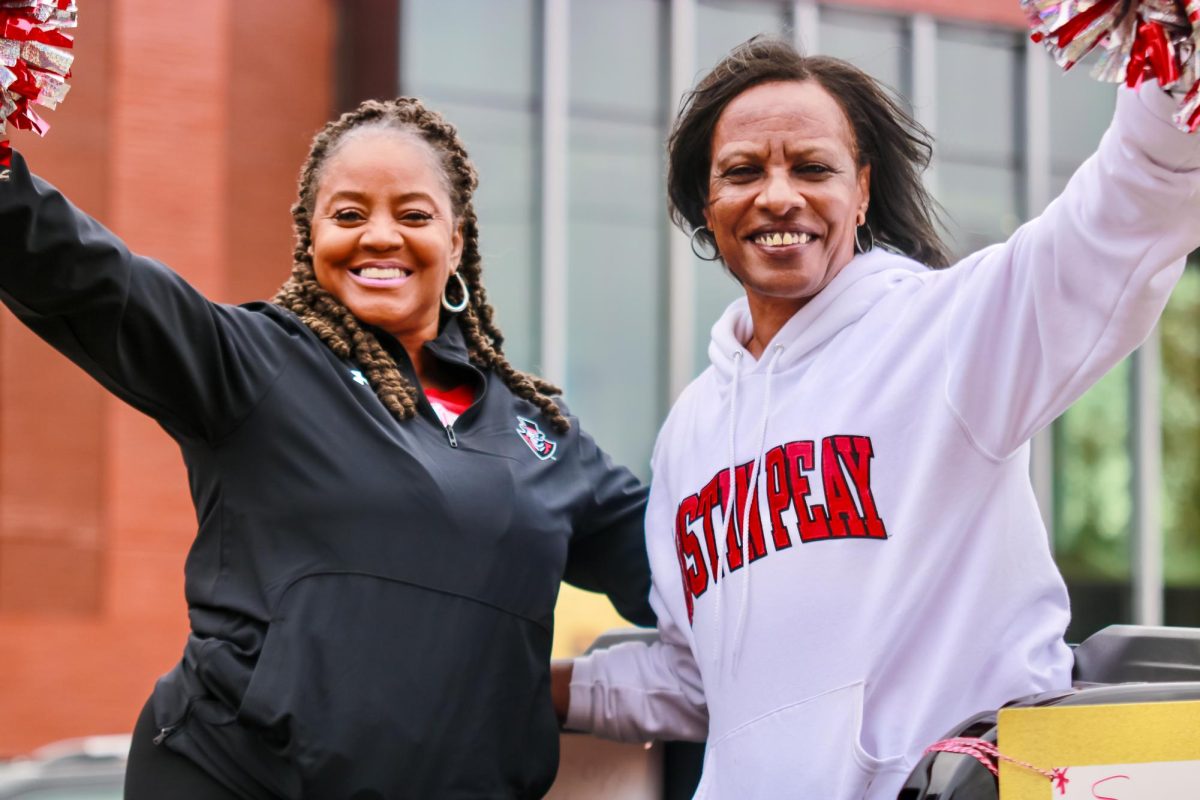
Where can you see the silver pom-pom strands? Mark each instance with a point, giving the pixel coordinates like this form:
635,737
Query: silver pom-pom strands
35,62
1138,40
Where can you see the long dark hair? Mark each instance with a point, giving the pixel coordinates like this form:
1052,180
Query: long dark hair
337,326
902,214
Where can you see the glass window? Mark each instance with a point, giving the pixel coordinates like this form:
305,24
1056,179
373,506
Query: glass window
716,288
616,217
635,82
721,25
1080,110
1181,449
978,143
874,43
616,366
481,77
492,57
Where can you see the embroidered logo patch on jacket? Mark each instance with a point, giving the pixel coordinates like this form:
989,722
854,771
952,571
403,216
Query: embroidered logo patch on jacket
542,447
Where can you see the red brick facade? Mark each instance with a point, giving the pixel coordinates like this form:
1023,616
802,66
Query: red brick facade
184,131
997,12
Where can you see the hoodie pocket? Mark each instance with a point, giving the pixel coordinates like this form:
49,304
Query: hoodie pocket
807,749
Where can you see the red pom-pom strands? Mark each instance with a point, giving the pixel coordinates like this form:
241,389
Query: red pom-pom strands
1140,40
35,62
1189,110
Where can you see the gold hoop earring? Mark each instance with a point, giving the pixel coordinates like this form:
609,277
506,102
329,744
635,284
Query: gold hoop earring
454,308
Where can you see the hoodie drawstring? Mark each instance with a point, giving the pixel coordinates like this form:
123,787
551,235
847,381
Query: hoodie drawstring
752,486
730,504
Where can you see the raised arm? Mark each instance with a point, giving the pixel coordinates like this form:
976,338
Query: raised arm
1037,320
130,322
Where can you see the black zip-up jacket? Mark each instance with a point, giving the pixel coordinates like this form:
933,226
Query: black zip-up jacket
371,601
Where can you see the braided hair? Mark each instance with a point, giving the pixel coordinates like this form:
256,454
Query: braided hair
337,326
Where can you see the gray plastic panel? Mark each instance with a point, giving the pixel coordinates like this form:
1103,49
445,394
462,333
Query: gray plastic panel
1139,653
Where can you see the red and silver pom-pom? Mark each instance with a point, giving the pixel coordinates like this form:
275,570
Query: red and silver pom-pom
1140,40
35,62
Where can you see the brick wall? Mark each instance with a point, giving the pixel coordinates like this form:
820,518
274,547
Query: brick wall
184,132
1001,12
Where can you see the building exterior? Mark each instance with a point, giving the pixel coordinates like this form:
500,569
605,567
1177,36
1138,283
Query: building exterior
569,141
184,132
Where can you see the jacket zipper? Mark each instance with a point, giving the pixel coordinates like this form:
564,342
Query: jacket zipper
165,734
450,436
170,730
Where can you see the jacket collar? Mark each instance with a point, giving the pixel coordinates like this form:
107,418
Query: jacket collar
450,344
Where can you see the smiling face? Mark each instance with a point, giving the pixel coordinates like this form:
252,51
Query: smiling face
785,193
384,236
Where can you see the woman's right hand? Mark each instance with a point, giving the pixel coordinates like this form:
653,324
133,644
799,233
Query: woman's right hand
560,687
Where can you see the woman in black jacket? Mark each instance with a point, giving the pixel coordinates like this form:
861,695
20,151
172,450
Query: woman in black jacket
385,505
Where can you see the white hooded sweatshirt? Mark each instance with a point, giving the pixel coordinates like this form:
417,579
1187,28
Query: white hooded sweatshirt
899,576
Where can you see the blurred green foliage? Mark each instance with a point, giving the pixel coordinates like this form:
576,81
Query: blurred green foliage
1181,430
1092,479
1094,468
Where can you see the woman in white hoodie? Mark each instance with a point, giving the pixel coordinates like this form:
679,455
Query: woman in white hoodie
848,557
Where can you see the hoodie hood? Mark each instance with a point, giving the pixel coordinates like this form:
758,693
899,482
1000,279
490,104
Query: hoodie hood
849,296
